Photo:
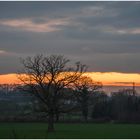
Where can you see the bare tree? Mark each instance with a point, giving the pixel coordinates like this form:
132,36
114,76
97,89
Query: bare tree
47,76
84,88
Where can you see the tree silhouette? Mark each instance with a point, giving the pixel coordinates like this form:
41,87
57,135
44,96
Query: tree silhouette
84,88
47,76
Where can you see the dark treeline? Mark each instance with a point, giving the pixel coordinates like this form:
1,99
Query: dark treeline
121,106
77,105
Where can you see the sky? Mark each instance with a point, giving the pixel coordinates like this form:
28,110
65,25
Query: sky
103,35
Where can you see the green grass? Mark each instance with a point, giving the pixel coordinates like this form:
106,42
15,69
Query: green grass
39,130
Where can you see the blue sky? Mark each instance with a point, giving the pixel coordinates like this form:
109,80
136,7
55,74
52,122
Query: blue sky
103,35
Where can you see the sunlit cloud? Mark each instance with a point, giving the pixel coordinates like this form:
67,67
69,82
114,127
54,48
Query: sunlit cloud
3,52
132,31
28,24
8,53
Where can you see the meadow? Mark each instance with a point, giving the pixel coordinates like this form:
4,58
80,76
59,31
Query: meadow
69,131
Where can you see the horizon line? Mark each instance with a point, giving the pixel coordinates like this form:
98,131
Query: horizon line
106,78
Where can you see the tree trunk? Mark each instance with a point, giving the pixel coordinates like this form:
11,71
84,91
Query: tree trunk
85,114
85,111
51,122
57,117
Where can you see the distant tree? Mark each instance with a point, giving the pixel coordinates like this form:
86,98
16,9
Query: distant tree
102,106
84,88
6,88
124,104
47,76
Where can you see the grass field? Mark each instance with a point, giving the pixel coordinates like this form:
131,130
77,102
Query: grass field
39,130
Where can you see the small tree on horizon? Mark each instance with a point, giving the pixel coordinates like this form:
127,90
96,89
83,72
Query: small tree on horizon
84,88
46,76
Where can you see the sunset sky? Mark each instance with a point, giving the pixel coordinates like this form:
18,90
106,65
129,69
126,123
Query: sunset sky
103,35
107,78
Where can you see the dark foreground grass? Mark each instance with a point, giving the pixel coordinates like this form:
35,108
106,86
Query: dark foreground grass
39,130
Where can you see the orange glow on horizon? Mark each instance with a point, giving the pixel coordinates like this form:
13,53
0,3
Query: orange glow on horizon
107,78
9,79
115,78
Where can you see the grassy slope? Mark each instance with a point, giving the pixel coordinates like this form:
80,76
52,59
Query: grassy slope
39,130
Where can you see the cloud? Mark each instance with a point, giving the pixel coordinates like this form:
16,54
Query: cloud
98,11
127,31
29,25
2,52
103,35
